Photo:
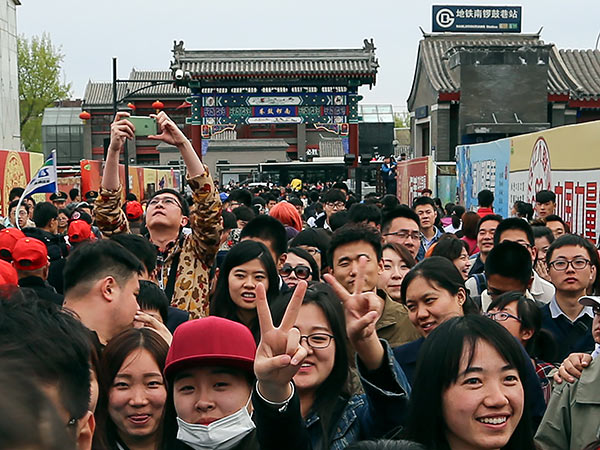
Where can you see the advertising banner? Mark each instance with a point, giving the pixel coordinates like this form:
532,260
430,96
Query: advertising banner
565,160
16,169
484,166
413,176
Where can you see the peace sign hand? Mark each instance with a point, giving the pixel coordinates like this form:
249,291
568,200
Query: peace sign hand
362,310
279,354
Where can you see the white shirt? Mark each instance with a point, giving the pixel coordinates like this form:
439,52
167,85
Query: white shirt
555,311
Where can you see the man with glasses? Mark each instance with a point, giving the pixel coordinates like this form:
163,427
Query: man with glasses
184,260
333,201
401,226
572,263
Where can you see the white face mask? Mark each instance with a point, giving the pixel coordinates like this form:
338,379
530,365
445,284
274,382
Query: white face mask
222,434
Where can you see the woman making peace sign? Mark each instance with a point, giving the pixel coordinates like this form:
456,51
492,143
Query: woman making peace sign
301,400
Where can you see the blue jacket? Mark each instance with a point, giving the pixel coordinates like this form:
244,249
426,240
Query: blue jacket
377,412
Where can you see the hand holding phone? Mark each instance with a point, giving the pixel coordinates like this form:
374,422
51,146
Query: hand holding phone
144,126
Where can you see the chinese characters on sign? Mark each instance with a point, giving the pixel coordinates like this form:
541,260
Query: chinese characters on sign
577,204
475,19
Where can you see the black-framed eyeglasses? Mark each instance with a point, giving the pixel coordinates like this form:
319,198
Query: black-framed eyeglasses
312,251
561,265
169,201
404,234
317,340
336,205
501,316
302,272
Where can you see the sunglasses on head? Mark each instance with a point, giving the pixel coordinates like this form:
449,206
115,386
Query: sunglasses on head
302,272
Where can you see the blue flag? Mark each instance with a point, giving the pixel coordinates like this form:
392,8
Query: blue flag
45,180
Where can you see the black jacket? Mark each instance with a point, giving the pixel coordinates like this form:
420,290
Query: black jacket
42,289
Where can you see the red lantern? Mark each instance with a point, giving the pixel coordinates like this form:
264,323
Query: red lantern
131,106
158,105
85,116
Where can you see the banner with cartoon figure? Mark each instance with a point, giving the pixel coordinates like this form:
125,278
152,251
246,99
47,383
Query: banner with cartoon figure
484,166
565,160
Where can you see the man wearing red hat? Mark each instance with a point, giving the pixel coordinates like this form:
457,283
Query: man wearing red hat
30,258
134,212
184,260
209,370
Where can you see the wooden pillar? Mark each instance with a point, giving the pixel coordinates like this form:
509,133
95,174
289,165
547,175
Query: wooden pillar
197,140
353,142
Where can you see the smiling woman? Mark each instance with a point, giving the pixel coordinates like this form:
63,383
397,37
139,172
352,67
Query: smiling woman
469,377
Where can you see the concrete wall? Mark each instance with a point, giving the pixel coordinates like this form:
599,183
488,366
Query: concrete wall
218,150
9,87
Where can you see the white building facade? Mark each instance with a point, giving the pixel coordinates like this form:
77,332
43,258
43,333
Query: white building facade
9,86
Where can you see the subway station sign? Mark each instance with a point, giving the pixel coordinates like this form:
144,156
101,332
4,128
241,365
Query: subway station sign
476,19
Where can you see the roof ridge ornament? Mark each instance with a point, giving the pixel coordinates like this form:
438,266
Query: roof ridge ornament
369,46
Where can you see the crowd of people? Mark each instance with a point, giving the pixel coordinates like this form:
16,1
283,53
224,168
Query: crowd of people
292,318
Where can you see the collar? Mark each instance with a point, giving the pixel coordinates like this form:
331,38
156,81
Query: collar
540,286
555,311
435,237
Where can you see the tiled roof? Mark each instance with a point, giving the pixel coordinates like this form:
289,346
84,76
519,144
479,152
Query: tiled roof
259,63
584,65
433,61
100,93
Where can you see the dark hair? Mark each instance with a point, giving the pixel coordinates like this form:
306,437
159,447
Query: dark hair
337,383
14,204
95,260
153,297
398,212
449,246
341,186
443,273
333,195
131,197
242,196
185,209
268,229
113,357
360,212
557,218
15,192
402,251
541,344
448,208
540,231
65,211
244,213
229,220
545,196
457,215
524,209
73,193
314,237
389,201
141,247
52,343
386,444
437,369
485,198
567,240
511,260
355,233
422,201
43,213
487,217
339,219
514,223
28,419
314,268
221,304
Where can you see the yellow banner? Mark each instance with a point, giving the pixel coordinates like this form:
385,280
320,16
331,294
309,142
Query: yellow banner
572,147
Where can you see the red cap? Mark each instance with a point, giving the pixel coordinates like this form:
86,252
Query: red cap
29,254
134,210
211,341
8,239
8,274
79,231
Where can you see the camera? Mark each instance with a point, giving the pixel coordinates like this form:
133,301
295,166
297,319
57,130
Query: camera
179,74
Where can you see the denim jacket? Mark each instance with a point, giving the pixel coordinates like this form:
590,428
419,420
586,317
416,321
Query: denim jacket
380,410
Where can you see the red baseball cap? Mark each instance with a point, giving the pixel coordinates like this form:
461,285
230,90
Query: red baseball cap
134,210
211,341
8,274
79,231
8,239
30,254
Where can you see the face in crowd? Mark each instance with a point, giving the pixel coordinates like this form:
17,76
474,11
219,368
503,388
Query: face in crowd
570,269
345,265
557,228
427,215
544,209
242,281
404,231
485,236
394,269
295,269
165,211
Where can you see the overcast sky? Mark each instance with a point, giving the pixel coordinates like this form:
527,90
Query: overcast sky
140,33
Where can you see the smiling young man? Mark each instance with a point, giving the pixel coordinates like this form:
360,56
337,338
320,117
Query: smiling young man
349,245
184,260
430,234
571,263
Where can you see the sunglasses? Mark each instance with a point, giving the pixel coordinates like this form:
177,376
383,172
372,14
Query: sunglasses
302,272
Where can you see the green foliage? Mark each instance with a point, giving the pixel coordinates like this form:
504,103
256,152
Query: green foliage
401,120
39,85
